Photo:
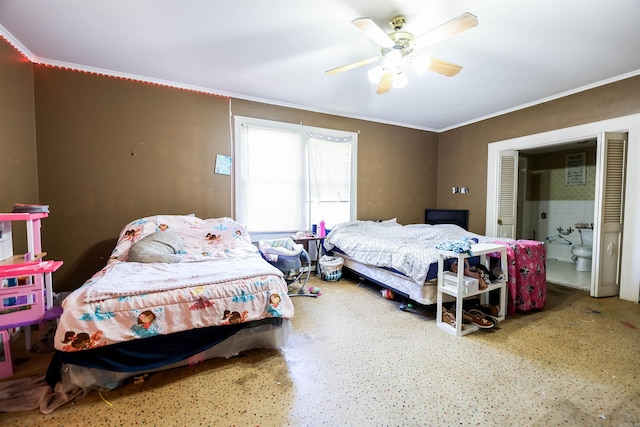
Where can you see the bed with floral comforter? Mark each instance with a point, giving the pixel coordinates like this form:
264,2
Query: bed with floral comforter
218,284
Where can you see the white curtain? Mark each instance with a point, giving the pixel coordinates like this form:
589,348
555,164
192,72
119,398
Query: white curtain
329,178
288,177
268,190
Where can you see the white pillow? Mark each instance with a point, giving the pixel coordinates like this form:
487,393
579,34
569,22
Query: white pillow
161,246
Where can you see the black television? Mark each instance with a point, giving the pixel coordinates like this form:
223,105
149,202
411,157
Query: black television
458,217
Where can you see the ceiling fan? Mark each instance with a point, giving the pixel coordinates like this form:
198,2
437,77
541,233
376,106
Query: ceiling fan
400,44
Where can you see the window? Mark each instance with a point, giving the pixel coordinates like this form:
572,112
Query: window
288,176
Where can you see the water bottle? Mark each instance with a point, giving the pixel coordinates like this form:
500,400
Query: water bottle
321,230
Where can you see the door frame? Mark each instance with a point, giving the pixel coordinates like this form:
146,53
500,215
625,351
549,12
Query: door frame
629,275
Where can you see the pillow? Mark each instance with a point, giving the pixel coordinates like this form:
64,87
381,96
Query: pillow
142,227
160,246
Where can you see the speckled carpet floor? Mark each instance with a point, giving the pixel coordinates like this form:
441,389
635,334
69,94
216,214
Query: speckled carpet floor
355,359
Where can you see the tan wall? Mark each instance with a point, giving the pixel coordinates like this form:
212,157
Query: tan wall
18,160
113,150
462,154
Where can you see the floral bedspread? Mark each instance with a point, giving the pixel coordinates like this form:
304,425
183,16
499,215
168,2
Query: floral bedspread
124,310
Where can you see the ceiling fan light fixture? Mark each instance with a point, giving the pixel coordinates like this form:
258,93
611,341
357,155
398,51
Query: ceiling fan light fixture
400,80
401,44
420,63
375,74
392,58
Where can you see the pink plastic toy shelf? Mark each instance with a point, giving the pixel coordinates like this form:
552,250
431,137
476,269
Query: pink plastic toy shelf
29,298
25,304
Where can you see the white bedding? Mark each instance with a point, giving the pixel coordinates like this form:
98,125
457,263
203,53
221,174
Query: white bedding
158,277
408,249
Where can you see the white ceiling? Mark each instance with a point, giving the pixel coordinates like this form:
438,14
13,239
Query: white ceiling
522,52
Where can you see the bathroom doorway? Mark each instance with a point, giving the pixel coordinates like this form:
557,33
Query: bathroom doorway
616,247
616,241
555,203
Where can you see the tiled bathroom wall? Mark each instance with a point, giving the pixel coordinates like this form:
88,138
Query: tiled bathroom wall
552,201
544,217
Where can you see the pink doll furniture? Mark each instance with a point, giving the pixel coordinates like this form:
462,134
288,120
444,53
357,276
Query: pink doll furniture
26,295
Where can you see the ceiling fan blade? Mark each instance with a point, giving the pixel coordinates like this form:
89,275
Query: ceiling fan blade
457,25
352,65
385,82
375,33
444,67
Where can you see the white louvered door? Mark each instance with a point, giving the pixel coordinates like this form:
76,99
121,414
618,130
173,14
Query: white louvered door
507,197
611,165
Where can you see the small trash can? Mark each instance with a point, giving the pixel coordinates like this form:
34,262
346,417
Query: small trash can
331,268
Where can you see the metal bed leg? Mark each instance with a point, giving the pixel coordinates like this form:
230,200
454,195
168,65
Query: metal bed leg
301,292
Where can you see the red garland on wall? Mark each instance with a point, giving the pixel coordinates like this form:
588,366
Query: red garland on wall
25,57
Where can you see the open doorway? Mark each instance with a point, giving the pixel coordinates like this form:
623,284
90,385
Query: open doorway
618,251
555,204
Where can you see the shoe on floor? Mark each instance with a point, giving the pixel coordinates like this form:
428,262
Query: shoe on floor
448,316
478,320
491,310
484,315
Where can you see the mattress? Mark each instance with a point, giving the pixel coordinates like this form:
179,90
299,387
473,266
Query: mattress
400,257
422,293
91,370
411,250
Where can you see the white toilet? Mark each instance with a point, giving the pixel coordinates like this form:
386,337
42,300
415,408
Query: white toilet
583,252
